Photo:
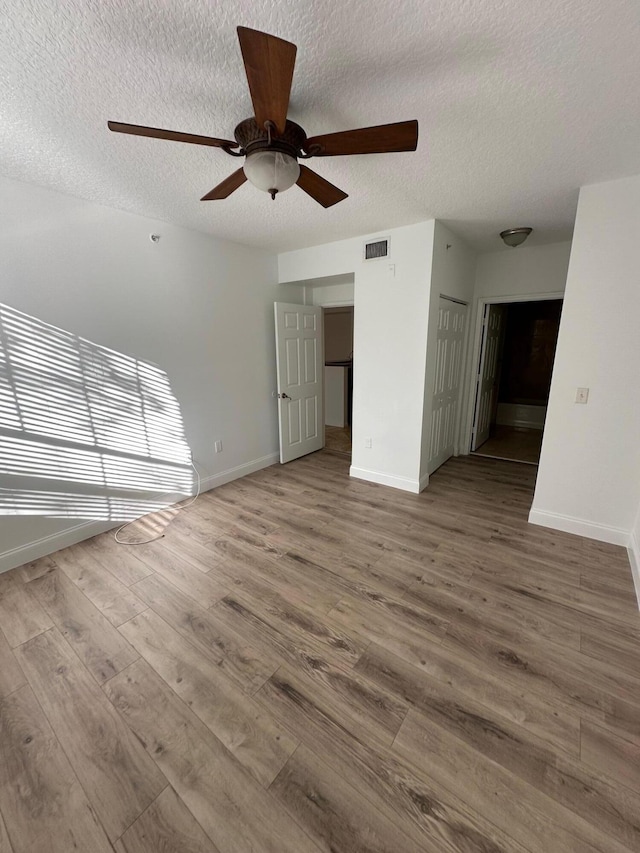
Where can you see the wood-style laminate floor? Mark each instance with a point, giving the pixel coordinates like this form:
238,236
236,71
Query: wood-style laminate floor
311,663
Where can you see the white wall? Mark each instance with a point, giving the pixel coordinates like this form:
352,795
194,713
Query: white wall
452,274
330,294
522,271
634,554
200,308
635,540
390,321
589,475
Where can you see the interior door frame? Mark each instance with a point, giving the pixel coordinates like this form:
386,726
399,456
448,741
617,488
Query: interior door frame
481,303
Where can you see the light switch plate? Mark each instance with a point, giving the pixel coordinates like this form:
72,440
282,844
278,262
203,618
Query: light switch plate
582,395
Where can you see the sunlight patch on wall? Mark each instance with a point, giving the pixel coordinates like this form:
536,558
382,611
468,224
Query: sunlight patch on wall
85,431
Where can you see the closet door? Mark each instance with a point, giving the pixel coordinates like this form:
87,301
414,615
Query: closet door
452,323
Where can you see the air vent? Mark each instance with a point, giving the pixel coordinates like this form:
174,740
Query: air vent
377,249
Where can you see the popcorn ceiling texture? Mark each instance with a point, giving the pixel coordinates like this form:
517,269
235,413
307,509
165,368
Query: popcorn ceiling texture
519,105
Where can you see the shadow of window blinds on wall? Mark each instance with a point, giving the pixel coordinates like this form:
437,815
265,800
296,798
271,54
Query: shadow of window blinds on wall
85,432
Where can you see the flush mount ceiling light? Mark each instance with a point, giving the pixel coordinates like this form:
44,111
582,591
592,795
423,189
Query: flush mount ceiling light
270,142
515,236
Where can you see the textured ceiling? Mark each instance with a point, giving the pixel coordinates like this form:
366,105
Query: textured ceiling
519,104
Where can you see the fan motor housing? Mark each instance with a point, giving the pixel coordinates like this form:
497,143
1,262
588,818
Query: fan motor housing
250,137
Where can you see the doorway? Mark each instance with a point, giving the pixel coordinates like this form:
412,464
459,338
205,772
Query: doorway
299,366
338,378
517,351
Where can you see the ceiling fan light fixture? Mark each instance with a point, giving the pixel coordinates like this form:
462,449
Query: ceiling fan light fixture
271,143
515,236
271,171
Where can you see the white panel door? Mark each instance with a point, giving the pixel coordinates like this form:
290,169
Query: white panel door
487,381
300,366
452,319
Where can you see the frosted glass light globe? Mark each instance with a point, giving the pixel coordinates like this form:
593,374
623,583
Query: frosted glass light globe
271,171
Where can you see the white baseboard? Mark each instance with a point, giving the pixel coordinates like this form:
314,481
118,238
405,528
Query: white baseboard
634,559
568,524
70,535
385,479
423,482
514,414
230,474
54,542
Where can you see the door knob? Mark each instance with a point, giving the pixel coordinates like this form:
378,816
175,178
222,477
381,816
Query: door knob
284,396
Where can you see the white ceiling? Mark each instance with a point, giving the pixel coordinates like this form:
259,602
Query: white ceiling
519,104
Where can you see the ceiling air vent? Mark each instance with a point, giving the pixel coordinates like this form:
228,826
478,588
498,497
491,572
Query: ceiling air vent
377,249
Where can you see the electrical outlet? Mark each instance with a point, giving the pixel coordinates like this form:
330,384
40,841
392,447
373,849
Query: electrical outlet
582,395
368,443
218,446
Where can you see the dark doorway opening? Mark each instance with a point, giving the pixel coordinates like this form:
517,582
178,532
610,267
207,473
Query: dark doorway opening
525,354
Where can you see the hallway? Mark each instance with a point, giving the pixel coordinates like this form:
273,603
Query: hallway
512,443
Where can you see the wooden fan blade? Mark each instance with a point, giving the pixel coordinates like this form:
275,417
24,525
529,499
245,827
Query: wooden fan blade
401,136
318,188
226,187
269,63
173,135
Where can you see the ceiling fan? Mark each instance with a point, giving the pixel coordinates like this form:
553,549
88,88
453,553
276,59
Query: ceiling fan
271,144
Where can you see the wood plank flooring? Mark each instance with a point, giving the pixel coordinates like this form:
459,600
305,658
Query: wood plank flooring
310,663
